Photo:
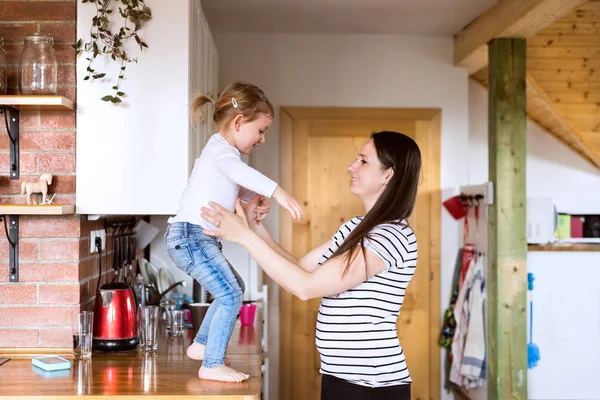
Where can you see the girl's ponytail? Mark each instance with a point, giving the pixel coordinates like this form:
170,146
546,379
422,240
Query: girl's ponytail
198,101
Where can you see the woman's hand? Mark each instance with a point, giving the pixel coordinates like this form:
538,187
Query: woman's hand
230,226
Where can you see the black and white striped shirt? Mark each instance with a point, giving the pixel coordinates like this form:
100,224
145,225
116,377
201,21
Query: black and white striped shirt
356,330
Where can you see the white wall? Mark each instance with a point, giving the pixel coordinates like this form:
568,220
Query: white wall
354,71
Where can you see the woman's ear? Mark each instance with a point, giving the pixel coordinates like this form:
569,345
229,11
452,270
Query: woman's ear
387,175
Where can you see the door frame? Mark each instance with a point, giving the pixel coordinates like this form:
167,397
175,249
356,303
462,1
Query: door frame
428,129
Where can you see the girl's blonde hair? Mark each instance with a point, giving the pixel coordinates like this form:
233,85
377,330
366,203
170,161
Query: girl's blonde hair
238,98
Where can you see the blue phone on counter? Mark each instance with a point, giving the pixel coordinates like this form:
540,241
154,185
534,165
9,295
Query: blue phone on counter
51,363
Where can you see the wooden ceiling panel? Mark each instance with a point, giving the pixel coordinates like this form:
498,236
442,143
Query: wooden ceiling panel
563,76
545,112
564,60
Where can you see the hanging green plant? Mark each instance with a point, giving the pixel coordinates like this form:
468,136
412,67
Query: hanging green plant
106,39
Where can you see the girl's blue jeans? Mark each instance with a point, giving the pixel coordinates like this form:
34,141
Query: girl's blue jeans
200,256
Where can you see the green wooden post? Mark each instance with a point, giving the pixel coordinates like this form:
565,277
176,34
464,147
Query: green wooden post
507,248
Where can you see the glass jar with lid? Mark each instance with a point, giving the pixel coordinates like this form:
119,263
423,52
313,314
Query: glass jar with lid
38,69
3,69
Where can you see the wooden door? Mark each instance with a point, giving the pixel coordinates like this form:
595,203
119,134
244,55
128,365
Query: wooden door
321,149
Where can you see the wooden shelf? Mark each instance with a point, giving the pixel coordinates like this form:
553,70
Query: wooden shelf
564,247
32,209
29,103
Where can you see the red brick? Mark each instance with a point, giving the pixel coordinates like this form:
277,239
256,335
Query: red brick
57,120
65,54
27,249
49,227
36,316
28,119
66,75
61,184
58,162
20,338
13,52
47,272
64,200
59,250
27,163
42,141
56,337
59,294
87,291
60,31
17,293
42,11
89,267
15,32
68,92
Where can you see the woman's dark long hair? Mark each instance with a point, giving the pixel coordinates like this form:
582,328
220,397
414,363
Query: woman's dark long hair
396,203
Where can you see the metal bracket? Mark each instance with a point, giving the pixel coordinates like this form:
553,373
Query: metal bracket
12,235
12,127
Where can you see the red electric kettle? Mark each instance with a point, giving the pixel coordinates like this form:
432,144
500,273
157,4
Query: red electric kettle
114,318
115,326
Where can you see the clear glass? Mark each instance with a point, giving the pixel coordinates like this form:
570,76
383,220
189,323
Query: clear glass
38,69
175,323
3,69
82,327
148,320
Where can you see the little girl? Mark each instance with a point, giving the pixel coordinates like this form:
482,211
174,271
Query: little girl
242,115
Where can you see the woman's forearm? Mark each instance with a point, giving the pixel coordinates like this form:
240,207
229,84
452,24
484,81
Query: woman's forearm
283,270
264,235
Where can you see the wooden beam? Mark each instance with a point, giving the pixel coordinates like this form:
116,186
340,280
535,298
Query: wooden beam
534,89
507,244
506,18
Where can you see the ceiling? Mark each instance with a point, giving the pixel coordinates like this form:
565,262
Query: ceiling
412,17
563,80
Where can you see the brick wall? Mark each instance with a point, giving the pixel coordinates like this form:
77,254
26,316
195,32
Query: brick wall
57,273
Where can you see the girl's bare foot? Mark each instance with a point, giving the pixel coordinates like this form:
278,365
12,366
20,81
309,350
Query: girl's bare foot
222,373
196,352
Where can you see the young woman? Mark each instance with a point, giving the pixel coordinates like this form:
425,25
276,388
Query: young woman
361,274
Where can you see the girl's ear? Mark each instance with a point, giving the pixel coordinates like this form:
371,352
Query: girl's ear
237,121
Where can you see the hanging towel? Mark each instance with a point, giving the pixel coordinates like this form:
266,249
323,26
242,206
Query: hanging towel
473,363
462,320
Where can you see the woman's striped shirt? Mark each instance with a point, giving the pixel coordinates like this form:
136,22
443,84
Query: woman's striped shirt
356,330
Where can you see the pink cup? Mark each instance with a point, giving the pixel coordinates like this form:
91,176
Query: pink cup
247,313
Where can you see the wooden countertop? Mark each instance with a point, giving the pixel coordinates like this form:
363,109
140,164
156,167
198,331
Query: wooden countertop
166,374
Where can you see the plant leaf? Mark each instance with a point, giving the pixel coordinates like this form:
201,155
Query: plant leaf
107,98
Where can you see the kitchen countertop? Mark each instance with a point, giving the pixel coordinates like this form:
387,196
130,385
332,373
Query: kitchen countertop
166,374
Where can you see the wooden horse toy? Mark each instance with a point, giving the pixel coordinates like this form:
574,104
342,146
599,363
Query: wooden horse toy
40,186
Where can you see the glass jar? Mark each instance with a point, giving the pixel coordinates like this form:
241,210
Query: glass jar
3,69
38,70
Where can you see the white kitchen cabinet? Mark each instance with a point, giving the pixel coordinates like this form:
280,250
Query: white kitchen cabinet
135,158
566,325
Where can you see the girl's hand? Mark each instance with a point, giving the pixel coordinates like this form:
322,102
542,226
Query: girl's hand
255,211
262,208
288,202
231,227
